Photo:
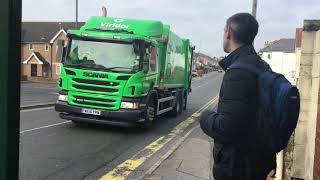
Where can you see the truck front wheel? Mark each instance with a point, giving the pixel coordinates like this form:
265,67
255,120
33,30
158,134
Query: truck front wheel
150,113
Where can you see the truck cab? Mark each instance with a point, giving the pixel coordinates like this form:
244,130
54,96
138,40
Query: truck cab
116,71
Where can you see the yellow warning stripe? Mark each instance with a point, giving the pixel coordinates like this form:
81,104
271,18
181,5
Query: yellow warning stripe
122,171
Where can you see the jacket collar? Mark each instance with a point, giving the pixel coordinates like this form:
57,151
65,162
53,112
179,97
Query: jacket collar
244,50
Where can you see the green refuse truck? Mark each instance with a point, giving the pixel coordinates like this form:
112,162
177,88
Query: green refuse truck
117,70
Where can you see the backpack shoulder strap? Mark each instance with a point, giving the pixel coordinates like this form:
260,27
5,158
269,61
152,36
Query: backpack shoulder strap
251,68
245,66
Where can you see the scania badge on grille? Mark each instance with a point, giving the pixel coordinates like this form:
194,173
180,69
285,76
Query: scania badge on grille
96,75
79,100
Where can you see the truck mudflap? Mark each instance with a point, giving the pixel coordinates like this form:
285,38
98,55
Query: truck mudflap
75,114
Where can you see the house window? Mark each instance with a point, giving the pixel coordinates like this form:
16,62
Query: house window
34,70
30,46
58,69
46,47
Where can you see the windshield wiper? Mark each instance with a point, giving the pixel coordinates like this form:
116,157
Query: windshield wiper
74,65
96,67
112,68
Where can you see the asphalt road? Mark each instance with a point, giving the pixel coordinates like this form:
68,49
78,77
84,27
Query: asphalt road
37,93
51,148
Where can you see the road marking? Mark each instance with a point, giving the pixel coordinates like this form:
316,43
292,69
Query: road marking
201,85
166,155
36,109
122,171
43,127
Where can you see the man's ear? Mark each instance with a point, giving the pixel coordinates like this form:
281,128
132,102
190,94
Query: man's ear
228,32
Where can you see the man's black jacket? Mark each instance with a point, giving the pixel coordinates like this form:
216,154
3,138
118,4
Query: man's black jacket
231,125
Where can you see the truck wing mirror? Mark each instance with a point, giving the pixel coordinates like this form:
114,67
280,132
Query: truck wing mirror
146,66
169,69
60,52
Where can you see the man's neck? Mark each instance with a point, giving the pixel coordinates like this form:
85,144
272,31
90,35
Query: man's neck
234,47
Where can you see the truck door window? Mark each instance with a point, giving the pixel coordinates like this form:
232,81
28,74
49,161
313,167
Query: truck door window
153,59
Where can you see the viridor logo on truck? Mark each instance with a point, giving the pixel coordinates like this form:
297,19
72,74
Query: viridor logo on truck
96,75
116,24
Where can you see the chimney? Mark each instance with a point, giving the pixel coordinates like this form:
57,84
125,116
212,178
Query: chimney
298,37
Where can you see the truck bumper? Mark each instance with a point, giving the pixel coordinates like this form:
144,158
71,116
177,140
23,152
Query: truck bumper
108,117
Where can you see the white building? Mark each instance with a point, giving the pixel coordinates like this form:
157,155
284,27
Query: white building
281,57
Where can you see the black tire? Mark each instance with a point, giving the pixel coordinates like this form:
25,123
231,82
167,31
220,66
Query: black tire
150,115
178,107
185,100
78,123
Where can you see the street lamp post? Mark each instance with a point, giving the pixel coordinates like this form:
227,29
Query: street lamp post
254,8
76,13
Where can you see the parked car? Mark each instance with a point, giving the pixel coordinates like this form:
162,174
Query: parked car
195,74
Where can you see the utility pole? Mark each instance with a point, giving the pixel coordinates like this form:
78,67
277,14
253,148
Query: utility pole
104,11
254,8
76,13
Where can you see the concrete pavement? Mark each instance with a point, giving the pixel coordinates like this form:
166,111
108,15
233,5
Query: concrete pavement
192,160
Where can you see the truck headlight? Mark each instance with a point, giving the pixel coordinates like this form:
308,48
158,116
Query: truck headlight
63,97
129,105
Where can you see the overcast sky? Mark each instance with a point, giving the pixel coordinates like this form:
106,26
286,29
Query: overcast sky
200,20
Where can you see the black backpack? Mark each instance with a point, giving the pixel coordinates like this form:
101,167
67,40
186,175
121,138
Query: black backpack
279,106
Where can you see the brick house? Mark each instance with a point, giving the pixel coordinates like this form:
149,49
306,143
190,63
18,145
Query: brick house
39,47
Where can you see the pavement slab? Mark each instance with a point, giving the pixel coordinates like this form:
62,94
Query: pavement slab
192,160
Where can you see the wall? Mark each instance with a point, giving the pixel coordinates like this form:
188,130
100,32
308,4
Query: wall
37,47
308,84
281,62
316,171
317,135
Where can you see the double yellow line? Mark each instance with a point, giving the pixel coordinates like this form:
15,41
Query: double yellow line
122,171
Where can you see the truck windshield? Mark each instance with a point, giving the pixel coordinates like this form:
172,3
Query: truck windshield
109,56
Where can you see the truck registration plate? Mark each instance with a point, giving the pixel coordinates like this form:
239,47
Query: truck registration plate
91,112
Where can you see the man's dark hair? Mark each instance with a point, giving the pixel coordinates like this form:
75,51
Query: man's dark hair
244,27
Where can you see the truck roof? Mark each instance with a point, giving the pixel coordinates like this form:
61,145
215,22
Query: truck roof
149,28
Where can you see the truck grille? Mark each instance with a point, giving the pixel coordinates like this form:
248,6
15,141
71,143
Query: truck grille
94,100
95,93
94,88
95,82
93,104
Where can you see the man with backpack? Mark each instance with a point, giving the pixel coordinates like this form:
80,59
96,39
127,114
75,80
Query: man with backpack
252,122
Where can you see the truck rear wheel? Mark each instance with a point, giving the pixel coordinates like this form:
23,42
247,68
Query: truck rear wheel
185,100
178,107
